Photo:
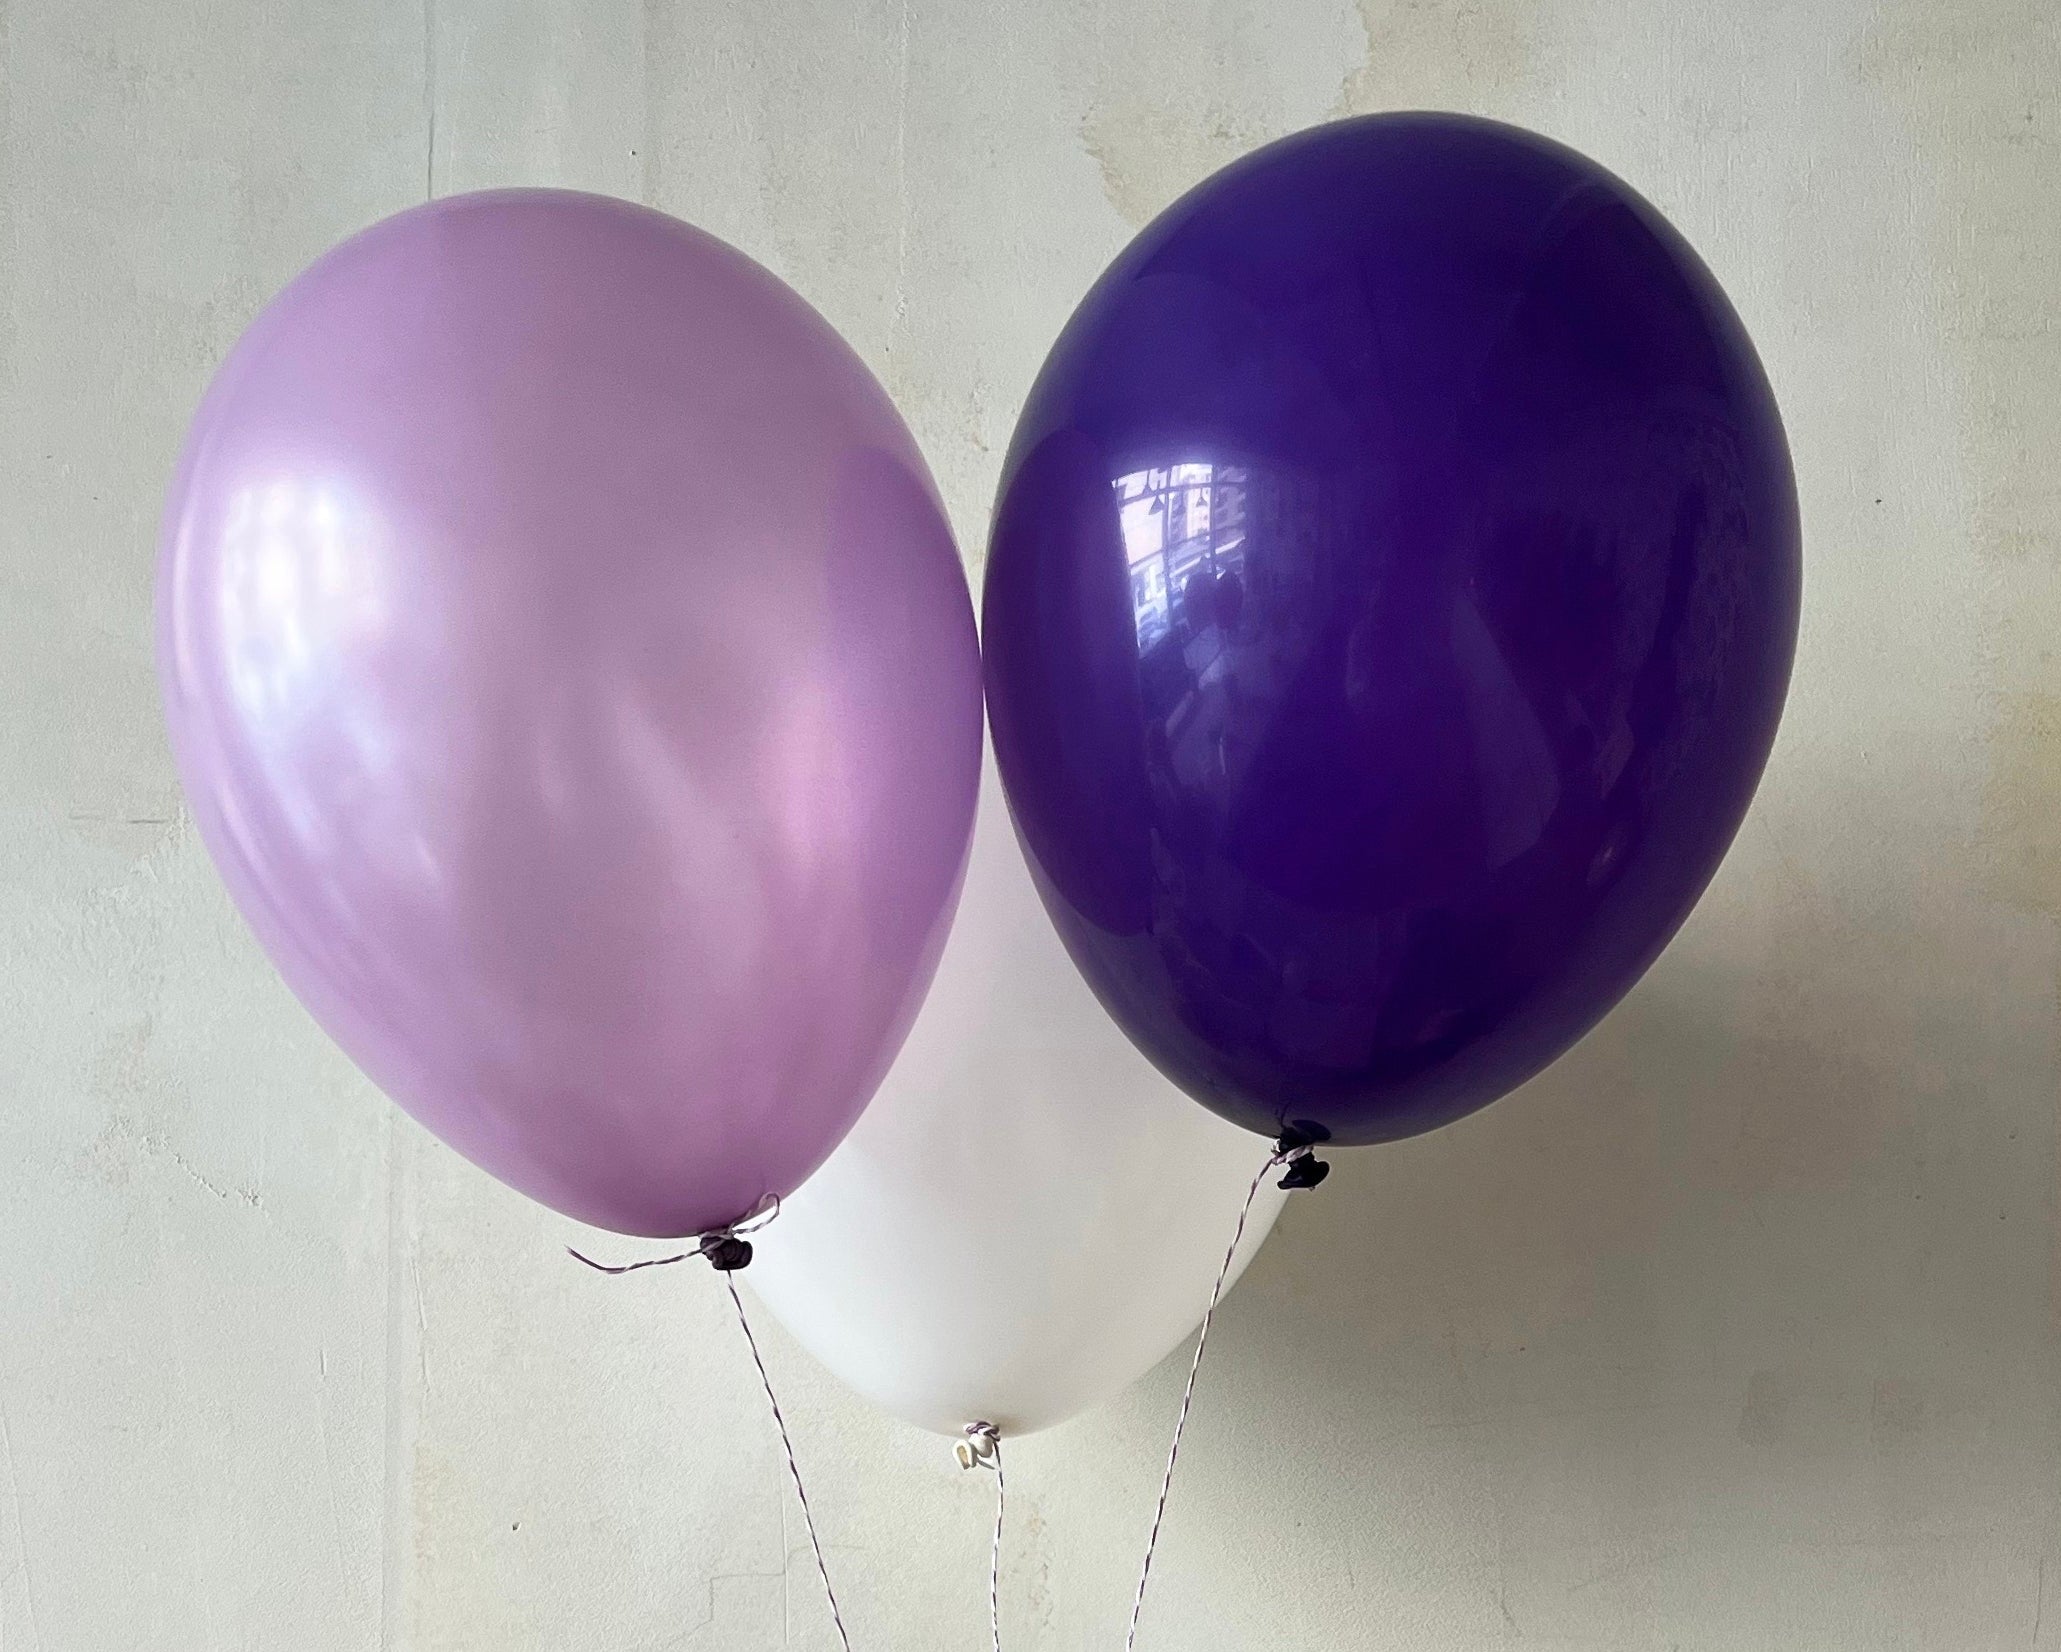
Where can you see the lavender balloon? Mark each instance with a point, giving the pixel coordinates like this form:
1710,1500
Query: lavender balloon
1391,602
572,675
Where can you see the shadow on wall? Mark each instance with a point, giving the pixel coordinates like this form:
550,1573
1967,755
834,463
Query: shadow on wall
1756,1276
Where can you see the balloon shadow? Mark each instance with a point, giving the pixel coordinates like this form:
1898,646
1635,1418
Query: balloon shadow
1750,1282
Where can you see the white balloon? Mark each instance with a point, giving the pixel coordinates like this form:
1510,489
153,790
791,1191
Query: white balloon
1028,1217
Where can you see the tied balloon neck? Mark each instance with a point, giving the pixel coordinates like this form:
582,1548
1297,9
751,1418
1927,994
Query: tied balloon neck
1297,1151
725,1252
981,1448
726,1249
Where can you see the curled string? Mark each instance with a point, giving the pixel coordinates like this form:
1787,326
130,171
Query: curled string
727,1251
1304,1170
982,1448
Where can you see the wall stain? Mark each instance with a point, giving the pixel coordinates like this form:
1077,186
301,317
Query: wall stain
1038,1602
1440,54
1977,88
123,1144
1158,125
1164,107
1152,151
136,837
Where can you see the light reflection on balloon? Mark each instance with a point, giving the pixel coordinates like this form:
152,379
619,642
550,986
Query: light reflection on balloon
571,672
1391,596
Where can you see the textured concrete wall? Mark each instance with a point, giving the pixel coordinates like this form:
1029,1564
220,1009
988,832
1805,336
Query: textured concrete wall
1739,1328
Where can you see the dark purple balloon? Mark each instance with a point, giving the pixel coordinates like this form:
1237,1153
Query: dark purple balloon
1391,598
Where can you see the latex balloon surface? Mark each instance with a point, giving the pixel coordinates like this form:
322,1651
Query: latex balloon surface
1028,1218
571,674
1390,604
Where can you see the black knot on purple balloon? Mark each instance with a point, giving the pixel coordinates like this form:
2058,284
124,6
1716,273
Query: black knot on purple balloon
1296,1146
1306,1171
726,1252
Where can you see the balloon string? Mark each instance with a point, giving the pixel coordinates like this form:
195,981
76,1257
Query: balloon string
995,1556
1306,1172
728,1252
718,1244
995,1553
983,1449
630,1267
793,1468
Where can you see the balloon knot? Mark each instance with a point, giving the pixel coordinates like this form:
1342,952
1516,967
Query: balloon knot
1305,1170
982,1447
726,1252
1297,1150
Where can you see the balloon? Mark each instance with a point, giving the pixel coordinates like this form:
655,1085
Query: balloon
1028,1218
1390,603
572,675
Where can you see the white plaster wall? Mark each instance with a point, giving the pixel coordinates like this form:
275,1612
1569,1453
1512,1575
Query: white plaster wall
1740,1328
